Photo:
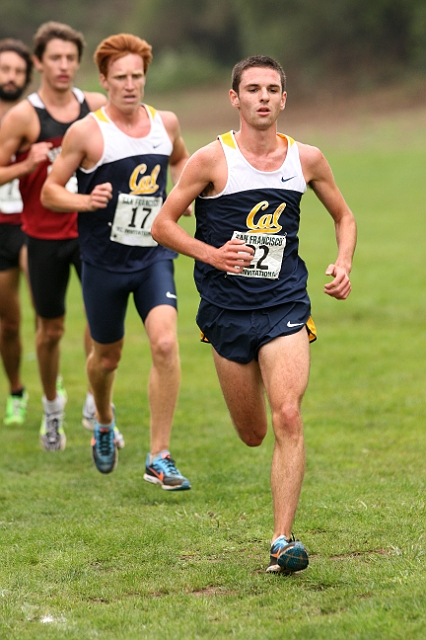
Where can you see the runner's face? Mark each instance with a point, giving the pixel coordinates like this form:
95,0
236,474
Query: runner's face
260,98
125,82
59,64
13,75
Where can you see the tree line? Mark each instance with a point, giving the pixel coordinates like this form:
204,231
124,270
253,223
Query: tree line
194,41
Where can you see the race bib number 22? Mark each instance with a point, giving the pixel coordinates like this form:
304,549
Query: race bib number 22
268,255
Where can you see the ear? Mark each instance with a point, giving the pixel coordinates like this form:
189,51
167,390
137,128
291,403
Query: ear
37,63
234,98
104,82
283,100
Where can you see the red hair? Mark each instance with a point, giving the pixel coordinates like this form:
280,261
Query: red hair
120,45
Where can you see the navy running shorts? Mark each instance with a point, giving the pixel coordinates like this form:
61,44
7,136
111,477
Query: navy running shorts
106,295
238,335
12,239
49,265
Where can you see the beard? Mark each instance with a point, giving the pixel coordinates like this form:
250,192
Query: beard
10,95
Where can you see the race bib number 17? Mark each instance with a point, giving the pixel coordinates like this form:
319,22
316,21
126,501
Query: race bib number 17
133,219
268,255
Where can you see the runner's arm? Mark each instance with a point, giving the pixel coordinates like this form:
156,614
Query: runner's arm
13,135
54,195
320,178
196,176
180,155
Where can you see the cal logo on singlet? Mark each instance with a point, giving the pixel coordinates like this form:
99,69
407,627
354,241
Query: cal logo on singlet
263,209
137,169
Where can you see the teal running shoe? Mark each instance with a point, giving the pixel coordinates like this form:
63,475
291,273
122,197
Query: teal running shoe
16,410
287,556
88,419
104,448
162,470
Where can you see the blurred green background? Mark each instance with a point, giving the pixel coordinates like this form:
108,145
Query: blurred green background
333,46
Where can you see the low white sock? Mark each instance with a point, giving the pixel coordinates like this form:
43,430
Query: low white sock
50,406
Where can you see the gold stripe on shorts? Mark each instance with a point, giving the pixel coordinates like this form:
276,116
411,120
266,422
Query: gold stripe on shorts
203,337
311,328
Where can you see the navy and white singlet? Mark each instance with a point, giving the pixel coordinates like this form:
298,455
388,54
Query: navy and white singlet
118,237
263,209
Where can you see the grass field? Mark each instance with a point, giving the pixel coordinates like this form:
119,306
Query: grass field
86,556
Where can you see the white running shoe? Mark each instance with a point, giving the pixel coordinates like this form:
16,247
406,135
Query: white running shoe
52,434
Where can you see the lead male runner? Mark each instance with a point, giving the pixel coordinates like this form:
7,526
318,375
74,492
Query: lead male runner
122,154
15,75
254,307
33,131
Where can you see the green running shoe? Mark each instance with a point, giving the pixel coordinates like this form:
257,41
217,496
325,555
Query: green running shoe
16,410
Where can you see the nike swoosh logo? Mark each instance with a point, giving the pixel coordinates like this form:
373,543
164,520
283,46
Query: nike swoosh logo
170,295
287,179
294,324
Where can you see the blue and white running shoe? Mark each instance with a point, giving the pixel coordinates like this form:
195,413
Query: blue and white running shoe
88,420
287,556
162,470
104,448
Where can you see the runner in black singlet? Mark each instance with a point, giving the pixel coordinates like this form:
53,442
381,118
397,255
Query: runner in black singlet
32,131
15,75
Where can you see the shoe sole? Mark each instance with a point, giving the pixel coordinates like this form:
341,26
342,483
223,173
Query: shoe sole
14,422
293,558
274,568
88,424
167,487
109,469
120,442
60,446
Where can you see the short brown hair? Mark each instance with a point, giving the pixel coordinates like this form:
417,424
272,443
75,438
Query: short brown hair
256,61
51,30
17,46
117,46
